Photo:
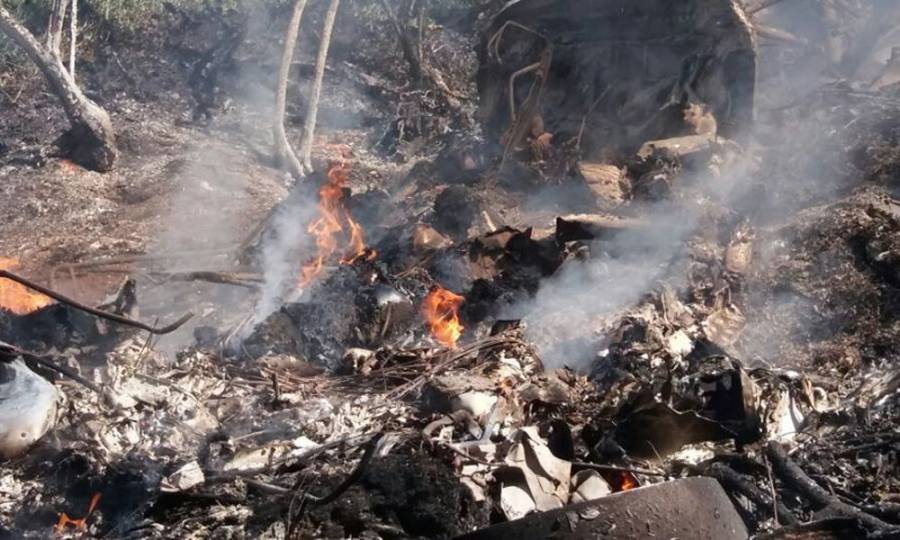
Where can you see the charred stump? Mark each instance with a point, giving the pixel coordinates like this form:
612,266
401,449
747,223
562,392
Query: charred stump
91,139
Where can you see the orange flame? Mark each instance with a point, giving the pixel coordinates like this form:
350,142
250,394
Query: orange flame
627,481
80,524
333,217
441,310
17,298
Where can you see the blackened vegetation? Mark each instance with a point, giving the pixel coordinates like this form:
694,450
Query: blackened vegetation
208,69
624,69
415,493
353,307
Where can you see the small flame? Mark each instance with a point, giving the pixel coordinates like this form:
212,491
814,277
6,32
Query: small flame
441,310
16,298
627,481
80,524
68,166
334,219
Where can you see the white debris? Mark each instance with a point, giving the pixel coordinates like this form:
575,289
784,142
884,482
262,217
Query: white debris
547,477
479,404
588,485
28,406
516,502
679,343
188,476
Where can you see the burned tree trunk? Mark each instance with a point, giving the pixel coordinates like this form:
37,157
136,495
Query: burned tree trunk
91,138
312,110
284,153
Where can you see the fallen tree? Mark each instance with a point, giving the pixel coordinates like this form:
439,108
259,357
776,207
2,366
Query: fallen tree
91,140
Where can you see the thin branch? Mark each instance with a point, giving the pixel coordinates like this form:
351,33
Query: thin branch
43,360
93,311
764,5
371,449
246,280
772,492
450,358
614,468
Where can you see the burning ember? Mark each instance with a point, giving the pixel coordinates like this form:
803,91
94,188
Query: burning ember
80,524
334,220
17,298
627,481
441,310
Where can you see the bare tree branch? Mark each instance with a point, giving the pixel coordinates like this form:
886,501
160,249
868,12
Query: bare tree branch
284,153
94,311
312,110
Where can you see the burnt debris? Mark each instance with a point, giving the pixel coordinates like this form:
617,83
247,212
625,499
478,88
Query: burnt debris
600,270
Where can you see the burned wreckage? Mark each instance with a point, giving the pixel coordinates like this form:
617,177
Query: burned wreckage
624,307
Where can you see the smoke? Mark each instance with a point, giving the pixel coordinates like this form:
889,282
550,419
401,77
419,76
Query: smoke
202,220
284,248
568,317
793,159
213,204
221,181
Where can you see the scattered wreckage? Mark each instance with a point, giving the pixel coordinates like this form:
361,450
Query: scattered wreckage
388,397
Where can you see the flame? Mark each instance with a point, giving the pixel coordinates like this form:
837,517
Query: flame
441,310
17,298
334,220
80,524
627,481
